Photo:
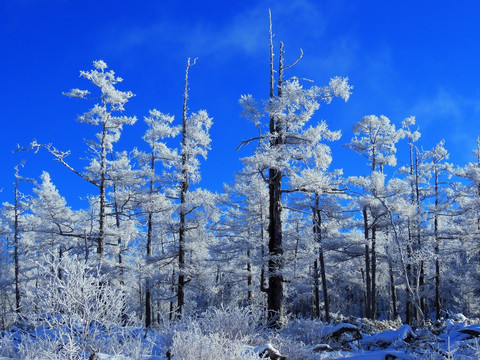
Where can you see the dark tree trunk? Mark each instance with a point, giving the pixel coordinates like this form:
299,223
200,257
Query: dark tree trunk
60,256
317,230
249,280
373,292
172,305
421,283
324,287
181,244
409,308
16,247
275,248
438,306
316,283
184,185
408,302
102,186
148,295
393,291
368,285
117,211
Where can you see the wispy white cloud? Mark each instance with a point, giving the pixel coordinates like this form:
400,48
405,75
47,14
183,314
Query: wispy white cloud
446,114
246,32
442,105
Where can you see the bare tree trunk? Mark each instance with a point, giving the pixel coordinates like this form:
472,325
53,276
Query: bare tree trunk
393,291
184,185
181,246
316,284
438,304
421,282
317,230
102,186
368,286
16,245
275,250
326,302
364,297
437,253
119,246
249,280
60,256
408,302
275,262
172,306
373,293
148,295
409,308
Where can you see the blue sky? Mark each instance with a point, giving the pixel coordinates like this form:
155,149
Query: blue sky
403,58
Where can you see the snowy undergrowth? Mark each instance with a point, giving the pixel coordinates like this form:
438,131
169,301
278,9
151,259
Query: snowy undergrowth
239,333
74,312
216,333
194,344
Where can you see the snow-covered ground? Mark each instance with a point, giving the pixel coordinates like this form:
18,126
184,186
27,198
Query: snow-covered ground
236,334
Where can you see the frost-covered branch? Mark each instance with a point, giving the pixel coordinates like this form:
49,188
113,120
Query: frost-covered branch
246,142
295,62
58,156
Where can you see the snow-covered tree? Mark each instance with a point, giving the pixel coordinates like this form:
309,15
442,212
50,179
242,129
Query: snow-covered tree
195,143
241,233
286,143
173,191
467,196
155,204
375,139
52,222
440,168
106,114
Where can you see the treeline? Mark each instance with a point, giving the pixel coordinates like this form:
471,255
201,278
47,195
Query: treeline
289,235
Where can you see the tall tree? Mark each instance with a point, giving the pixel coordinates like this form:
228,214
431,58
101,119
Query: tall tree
438,156
242,234
104,115
16,238
284,146
195,142
418,176
375,139
154,201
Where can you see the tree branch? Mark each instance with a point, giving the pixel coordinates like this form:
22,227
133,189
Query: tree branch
58,156
246,142
296,61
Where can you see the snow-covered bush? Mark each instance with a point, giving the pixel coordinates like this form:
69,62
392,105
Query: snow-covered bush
127,342
292,348
243,324
194,344
308,331
7,348
77,312
217,334
54,346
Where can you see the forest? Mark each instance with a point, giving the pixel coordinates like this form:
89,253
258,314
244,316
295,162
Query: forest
292,252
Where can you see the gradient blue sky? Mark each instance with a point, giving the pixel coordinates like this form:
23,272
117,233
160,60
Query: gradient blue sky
402,57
